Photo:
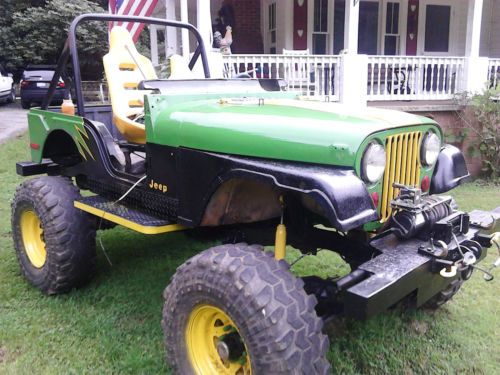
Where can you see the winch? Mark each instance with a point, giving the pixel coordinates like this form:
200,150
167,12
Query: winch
416,215
436,220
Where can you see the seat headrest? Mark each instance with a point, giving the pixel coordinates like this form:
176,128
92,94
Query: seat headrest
119,38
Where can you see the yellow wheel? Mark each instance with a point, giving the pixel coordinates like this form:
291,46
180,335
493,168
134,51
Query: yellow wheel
234,309
32,234
54,241
214,343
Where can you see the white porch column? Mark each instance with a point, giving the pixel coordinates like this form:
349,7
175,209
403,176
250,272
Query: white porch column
353,79
153,35
204,22
353,67
476,68
473,34
184,32
351,26
170,32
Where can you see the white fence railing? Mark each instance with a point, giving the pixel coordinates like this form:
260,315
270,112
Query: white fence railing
414,77
311,75
389,77
494,73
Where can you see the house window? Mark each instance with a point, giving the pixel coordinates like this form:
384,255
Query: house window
271,29
391,37
437,28
368,27
320,27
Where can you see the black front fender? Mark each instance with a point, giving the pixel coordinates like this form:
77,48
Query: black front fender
450,171
341,194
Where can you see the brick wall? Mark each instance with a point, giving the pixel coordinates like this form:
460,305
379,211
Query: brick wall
247,37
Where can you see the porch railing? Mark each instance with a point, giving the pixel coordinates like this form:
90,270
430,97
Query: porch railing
493,73
310,75
389,77
414,77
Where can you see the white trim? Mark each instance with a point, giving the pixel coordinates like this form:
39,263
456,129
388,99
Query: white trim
452,42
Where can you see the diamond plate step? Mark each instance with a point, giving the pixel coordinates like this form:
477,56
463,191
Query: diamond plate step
125,216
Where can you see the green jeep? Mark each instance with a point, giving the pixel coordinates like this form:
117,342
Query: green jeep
261,168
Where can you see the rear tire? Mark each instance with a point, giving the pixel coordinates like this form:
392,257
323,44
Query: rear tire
12,96
25,104
54,241
273,326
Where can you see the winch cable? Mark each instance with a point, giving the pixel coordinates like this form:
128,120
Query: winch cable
488,276
101,218
495,240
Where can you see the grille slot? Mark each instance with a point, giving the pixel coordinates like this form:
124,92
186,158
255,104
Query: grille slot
402,166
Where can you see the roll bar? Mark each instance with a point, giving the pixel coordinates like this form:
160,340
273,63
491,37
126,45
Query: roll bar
70,50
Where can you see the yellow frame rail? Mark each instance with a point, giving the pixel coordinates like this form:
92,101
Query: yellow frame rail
127,223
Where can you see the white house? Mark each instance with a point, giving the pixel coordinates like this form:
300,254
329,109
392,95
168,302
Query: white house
353,51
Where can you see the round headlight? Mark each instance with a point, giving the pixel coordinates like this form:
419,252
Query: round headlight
431,145
373,163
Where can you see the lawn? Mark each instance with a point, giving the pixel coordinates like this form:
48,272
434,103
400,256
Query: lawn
113,325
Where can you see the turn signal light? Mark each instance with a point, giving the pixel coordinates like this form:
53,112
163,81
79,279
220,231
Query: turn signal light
426,183
24,84
60,84
375,198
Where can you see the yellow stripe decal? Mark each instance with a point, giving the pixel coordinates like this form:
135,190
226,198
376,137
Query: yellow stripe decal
127,223
80,141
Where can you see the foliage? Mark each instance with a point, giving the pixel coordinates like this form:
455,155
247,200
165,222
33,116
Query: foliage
484,127
112,326
36,35
456,137
487,110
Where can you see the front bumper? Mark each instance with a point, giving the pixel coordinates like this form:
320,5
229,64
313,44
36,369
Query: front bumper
403,269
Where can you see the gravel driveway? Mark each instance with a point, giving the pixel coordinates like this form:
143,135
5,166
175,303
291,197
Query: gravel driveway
13,120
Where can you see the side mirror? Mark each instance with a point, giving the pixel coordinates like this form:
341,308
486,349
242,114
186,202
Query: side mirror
10,75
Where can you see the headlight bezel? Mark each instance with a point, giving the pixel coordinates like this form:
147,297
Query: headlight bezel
424,149
370,177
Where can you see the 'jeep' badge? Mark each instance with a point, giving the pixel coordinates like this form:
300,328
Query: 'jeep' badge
155,185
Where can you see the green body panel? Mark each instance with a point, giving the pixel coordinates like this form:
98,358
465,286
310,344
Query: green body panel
260,126
41,123
285,129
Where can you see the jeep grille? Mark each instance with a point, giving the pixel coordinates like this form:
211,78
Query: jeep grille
402,166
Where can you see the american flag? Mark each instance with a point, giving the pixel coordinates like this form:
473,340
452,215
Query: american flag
142,8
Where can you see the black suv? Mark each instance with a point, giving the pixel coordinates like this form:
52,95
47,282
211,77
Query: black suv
35,83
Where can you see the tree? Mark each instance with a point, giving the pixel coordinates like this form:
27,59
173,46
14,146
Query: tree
36,34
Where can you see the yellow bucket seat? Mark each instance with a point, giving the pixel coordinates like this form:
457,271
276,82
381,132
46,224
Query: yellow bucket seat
125,68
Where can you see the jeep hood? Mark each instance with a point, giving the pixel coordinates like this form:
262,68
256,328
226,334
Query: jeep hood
285,129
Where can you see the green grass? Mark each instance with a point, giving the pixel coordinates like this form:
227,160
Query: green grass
113,325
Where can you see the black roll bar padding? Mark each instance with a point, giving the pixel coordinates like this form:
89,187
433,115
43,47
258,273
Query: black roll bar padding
70,49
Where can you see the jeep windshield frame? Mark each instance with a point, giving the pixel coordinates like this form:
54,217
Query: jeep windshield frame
70,50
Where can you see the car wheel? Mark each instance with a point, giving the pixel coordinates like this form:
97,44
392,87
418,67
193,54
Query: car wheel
25,104
234,309
12,96
54,241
